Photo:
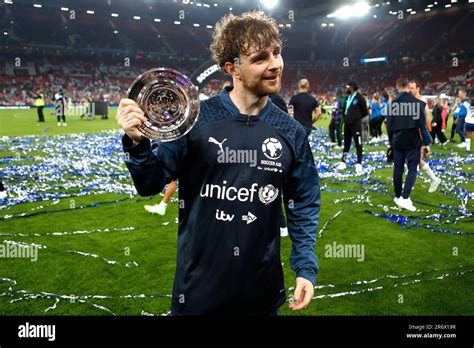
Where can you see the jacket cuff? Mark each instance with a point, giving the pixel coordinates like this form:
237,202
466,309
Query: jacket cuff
308,275
128,146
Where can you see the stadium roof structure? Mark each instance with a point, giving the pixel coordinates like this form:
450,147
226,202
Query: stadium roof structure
175,29
205,11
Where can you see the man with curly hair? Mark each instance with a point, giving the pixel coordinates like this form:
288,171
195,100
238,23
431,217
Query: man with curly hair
242,157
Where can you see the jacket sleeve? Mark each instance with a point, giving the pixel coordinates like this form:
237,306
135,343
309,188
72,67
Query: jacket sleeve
389,124
153,164
302,204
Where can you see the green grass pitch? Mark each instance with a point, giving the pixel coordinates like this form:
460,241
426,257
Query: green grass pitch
404,271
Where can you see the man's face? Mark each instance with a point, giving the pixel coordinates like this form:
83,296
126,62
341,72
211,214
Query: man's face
413,89
462,94
261,71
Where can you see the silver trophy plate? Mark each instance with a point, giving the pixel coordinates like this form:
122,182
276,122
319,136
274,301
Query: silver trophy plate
170,102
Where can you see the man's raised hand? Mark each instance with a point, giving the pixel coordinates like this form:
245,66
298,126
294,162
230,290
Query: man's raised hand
129,117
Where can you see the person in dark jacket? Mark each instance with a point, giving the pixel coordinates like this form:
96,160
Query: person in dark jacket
408,134
228,258
356,110
306,109
336,119
437,123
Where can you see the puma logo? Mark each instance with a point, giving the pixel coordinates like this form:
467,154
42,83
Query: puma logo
214,141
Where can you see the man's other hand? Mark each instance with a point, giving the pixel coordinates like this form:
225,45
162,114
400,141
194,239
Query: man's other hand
303,294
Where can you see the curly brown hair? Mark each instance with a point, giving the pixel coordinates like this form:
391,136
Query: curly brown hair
236,35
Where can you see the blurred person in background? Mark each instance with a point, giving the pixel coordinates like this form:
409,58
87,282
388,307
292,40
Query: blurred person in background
445,115
160,208
384,101
437,122
355,111
366,120
375,120
408,138
454,110
304,105
465,121
336,119
414,88
60,102
40,105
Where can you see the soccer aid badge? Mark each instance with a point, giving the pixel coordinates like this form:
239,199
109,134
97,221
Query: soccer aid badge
272,148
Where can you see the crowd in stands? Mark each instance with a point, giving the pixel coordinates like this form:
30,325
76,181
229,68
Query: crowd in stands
109,82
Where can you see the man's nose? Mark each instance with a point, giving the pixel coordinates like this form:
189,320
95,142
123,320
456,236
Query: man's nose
275,63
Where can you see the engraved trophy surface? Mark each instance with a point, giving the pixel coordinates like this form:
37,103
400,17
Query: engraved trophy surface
169,101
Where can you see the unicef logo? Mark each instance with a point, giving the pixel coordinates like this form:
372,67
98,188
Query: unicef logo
267,194
272,148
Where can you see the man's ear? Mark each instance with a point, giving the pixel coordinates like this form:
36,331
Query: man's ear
232,70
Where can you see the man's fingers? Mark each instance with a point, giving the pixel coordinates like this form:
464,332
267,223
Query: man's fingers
141,117
297,296
126,111
132,122
299,304
303,294
135,114
306,296
132,108
298,293
130,111
125,102
127,106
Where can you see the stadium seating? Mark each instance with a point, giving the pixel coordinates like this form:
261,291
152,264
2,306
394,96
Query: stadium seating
420,47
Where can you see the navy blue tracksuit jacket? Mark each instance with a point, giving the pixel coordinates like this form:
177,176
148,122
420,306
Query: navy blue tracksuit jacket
406,123
228,259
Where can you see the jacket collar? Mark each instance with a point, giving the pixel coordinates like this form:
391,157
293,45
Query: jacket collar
230,106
